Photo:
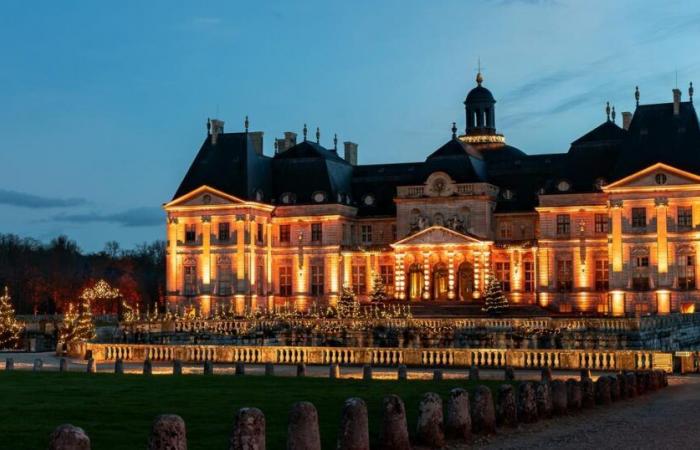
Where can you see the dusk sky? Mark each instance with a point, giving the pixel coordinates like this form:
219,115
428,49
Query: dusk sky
102,108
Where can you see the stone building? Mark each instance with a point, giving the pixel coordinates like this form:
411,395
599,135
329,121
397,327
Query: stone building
609,227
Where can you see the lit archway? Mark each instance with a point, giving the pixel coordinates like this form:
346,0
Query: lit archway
465,281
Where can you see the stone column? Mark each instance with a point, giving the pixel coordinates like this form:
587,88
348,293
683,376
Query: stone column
171,281
426,276
205,265
616,214
400,277
269,288
662,240
451,275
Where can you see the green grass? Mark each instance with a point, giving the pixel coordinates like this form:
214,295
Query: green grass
116,411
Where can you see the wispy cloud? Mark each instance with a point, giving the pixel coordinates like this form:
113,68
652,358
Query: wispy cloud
134,217
25,200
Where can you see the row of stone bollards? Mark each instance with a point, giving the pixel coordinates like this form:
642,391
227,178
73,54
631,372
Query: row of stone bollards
526,403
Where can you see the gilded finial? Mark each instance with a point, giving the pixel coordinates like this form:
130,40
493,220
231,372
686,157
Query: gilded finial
636,94
318,136
454,130
276,146
208,125
479,77
305,131
613,113
607,110
691,91
335,141
246,123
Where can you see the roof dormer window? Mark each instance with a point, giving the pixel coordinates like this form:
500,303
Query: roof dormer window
319,197
563,186
287,198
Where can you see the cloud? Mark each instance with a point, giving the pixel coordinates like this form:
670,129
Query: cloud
134,217
24,200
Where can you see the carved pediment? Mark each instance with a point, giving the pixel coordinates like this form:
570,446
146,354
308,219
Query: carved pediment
658,176
205,195
437,235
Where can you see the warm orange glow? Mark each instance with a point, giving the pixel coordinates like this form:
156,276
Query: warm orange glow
688,308
617,238
663,301
661,237
618,303
206,252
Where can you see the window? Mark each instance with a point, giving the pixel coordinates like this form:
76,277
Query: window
316,232
685,217
506,229
565,275
639,217
359,279
190,233
285,281
352,233
640,277
259,277
686,272
345,233
602,224
602,276
285,233
317,280
502,274
366,234
224,231
190,279
529,283
261,233
386,271
563,224
223,273
641,261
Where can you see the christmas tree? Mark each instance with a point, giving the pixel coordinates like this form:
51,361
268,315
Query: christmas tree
378,293
495,301
77,326
84,325
10,329
348,305
67,328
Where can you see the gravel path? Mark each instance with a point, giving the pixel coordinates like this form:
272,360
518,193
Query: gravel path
667,419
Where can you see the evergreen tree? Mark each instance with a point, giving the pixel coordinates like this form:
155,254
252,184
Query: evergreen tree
378,293
494,300
84,325
348,305
77,326
10,329
67,328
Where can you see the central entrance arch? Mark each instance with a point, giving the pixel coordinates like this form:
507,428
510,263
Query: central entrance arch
465,281
441,287
415,282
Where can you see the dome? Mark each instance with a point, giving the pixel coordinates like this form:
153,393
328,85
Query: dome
480,95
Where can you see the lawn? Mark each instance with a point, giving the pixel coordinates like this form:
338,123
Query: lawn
116,411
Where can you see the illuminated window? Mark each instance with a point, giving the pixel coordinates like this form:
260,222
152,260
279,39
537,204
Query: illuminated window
359,279
506,230
602,224
190,279
563,224
285,233
565,275
640,277
261,233
316,232
502,273
639,217
224,231
190,233
602,276
685,217
366,234
686,272
387,273
260,276
224,276
317,280
529,280
285,281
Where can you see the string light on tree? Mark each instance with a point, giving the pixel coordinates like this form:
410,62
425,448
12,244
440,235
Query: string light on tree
495,302
10,328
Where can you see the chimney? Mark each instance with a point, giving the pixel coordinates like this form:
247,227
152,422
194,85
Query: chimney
626,120
256,140
676,101
351,153
288,141
216,128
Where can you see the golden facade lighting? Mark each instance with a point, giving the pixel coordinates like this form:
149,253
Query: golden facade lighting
663,301
661,235
616,213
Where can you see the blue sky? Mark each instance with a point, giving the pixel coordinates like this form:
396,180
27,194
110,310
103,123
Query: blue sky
103,107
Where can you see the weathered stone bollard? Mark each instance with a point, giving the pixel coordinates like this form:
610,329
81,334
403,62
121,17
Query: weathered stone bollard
546,374
509,374
402,373
69,437
527,403
334,371
574,397
654,380
543,396
354,428
91,366
147,367
473,373
458,422
9,364
622,383
641,382
602,391
631,379
269,370
119,366
587,393
248,430
664,378
302,431
239,369
437,375
367,372
38,365
394,435
585,373
559,397
168,433
301,370
63,365
208,367
430,420
507,407
483,411
614,388
177,367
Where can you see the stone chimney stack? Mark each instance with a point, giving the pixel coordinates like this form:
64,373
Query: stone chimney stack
288,141
676,101
216,127
626,120
256,140
351,153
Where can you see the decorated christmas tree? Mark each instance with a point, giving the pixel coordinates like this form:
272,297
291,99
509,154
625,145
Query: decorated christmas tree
84,325
348,305
378,293
10,329
67,328
494,300
77,326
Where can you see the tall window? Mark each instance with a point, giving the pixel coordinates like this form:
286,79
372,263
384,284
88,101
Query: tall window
685,217
502,273
565,275
190,279
602,225
317,280
261,233
316,232
387,273
259,277
563,224
639,217
602,275
224,231
640,277
285,281
506,230
359,279
529,268
686,272
366,234
190,233
285,233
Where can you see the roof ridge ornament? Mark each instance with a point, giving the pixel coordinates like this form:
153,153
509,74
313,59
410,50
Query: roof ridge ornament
636,94
305,131
612,114
318,135
246,123
479,77
335,141
454,130
607,110
691,91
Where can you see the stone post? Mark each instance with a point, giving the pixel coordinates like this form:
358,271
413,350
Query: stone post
301,370
367,372
458,423
622,383
119,366
473,373
543,394
483,411
302,431
269,370
429,429
68,437
177,367
354,429
9,364
585,373
38,365
506,408
559,397
573,394
509,374
527,403
168,433
208,367
147,367
602,391
394,435
248,430
240,369
91,366
614,388
546,374
587,393
402,373
437,375
63,365
334,372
